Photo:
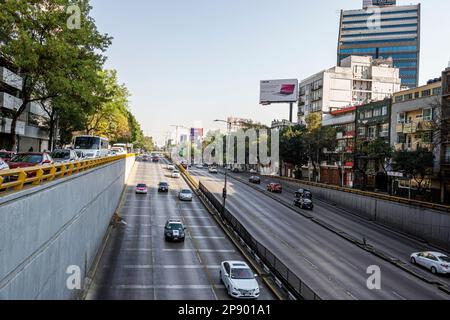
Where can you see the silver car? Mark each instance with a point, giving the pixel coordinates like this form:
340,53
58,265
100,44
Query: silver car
436,262
185,195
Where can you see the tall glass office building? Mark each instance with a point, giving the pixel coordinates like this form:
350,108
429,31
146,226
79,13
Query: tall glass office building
383,30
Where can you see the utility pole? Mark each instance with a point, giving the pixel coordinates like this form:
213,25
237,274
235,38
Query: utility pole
225,188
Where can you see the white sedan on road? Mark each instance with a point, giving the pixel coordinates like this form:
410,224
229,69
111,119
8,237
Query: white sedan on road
213,170
436,262
176,174
239,280
170,167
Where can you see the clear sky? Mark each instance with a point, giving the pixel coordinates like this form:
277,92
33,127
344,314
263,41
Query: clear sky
188,62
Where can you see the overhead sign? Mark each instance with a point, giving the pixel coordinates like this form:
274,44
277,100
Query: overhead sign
279,91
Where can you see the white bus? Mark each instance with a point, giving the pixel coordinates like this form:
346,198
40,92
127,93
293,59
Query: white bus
127,147
92,146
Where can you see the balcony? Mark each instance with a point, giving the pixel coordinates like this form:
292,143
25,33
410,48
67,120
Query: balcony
399,128
409,128
9,102
426,125
399,146
10,78
6,126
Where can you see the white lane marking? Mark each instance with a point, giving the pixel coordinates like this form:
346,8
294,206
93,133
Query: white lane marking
138,236
138,249
175,287
170,267
131,207
399,296
200,250
207,237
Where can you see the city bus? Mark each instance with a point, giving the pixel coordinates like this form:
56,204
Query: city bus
92,146
128,147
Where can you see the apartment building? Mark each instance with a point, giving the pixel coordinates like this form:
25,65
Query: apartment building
445,137
31,127
357,81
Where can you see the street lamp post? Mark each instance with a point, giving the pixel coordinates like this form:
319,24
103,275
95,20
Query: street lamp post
225,191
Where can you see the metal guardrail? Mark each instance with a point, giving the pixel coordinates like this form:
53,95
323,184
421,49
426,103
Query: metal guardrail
294,283
17,179
375,195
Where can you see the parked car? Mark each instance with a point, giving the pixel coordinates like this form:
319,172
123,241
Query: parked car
6,155
239,280
213,170
141,189
275,187
255,180
176,174
303,193
64,155
304,203
30,159
252,171
185,195
174,230
199,166
170,167
3,165
436,262
163,187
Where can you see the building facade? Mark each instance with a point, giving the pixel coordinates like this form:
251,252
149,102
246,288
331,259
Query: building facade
31,127
372,123
337,169
382,30
414,121
445,137
357,81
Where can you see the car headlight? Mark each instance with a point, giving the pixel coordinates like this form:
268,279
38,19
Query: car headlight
168,234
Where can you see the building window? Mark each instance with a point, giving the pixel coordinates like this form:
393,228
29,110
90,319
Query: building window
372,132
437,91
427,114
417,95
368,114
384,132
408,96
401,117
426,93
384,111
377,112
401,138
361,132
398,98
361,116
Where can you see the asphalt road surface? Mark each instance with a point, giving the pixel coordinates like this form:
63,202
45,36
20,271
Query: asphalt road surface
396,245
333,267
138,264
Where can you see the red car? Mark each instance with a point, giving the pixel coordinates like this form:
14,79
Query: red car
29,159
275,187
6,155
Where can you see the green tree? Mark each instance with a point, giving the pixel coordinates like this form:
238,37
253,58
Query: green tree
416,165
53,59
292,145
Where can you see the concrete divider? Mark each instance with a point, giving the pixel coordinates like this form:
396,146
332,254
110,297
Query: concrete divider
47,229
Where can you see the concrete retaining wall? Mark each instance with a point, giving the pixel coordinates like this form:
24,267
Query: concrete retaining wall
430,225
48,228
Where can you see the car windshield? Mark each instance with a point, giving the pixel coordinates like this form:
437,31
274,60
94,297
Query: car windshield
141,186
4,155
61,155
30,158
175,226
186,191
444,258
242,273
86,143
163,184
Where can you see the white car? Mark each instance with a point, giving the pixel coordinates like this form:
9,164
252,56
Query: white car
213,170
185,195
239,280
170,167
252,171
436,262
176,174
199,166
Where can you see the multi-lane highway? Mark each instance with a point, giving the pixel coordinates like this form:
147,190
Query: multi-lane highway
393,244
332,266
139,264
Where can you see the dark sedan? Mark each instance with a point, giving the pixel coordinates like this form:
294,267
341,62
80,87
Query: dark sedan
163,187
255,180
303,193
304,203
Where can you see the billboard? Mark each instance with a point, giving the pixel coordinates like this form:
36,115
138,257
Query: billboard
279,91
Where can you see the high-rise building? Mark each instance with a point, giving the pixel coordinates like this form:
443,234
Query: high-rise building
357,81
382,30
